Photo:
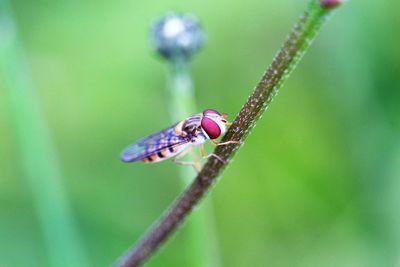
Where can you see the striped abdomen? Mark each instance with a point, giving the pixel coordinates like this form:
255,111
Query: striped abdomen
165,153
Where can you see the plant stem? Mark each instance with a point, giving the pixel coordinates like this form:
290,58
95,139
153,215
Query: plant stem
36,153
285,61
181,89
201,245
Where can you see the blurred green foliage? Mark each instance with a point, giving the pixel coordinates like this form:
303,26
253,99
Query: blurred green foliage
317,182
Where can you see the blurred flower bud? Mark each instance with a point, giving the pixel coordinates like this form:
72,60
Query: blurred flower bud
177,35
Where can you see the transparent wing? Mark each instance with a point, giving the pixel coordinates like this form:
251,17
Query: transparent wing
152,144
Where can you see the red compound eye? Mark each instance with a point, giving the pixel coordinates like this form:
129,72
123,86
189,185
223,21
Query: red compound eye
211,127
210,111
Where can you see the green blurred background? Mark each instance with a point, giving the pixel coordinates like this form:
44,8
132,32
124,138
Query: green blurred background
316,183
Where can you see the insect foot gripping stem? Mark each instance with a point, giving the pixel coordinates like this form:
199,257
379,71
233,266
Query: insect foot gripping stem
215,156
228,143
225,143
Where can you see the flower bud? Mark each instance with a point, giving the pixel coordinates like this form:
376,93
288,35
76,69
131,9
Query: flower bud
177,35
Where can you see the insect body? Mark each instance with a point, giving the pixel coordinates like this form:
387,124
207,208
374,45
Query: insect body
178,139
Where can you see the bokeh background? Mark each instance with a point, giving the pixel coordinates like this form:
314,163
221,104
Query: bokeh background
316,184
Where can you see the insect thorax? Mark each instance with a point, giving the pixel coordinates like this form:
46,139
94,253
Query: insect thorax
189,127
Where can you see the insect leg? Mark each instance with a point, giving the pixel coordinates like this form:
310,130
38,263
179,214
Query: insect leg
196,161
228,142
204,156
196,165
225,143
224,115
202,153
182,154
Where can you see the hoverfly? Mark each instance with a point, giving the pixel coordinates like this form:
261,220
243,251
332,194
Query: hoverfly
179,139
